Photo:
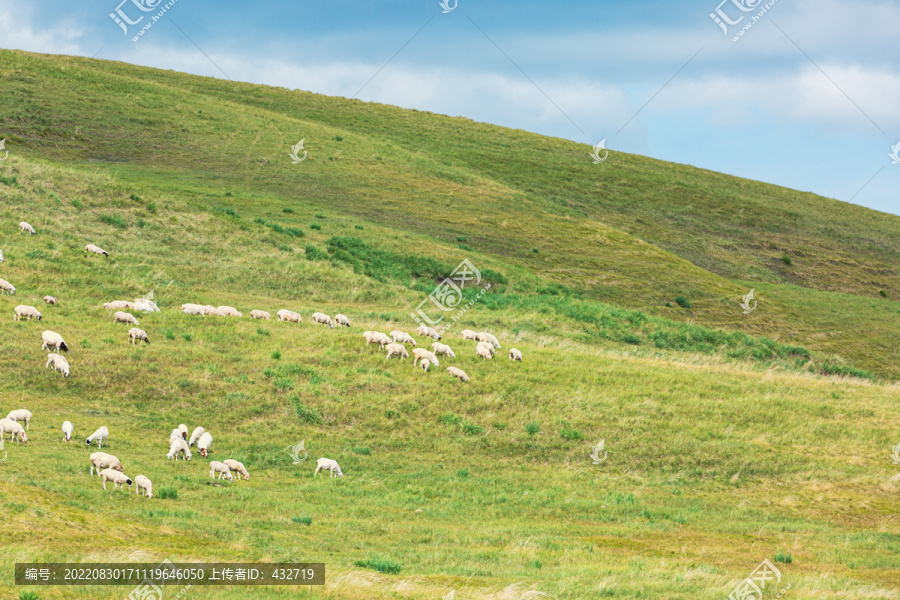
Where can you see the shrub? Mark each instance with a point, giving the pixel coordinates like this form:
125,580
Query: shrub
569,433
786,259
230,212
264,332
287,210
151,208
632,339
306,414
187,337
28,596
318,216
462,473
358,227
781,557
882,293
276,355
532,428
682,302
382,565
845,371
460,238
135,197
464,247
535,250
302,520
168,493
315,226
313,253
76,203
338,138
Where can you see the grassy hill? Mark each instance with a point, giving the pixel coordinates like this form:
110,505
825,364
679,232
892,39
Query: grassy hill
727,444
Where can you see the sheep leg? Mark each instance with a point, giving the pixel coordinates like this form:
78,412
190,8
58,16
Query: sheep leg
317,471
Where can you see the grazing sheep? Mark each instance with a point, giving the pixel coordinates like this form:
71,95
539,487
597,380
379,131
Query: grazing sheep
322,319
342,320
488,338
184,430
220,468
102,460
145,484
53,341
483,352
59,363
402,338
177,446
99,436
515,354
204,443
376,337
458,373
118,304
124,317
237,467
22,415
428,331
468,334
50,299
11,427
212,311
396,350
175,435
328,465
96,250
26,227
487,346
30,312
260,314
230,311
118,479
424,364
138,334
444,349
193,309
67,430
1,255
6,286
288,315
422,353
145,305
195,435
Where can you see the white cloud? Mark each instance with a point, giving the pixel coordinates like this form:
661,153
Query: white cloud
17,31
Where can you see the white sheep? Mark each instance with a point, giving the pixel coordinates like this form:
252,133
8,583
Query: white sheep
26,227
67,430
402,338
328,465
23,415
53,341
230,311
458,373
193,309
237,467
99,436
177,446
145,305
444,349
322,319
118,304
212,311
204,443
342,320
288,315
396,350
118,479
428,331
487,346
142,483
96,250
124,317
51,300
483,352
195,435
175,435
58,362
13,428
7,287
260,314
30,312
1,255
184,430
422,353
468,334
220,468
376,337
135,334
484,336
424,364
515,354
102,460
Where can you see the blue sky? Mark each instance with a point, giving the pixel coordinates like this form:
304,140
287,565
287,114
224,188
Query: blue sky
808,97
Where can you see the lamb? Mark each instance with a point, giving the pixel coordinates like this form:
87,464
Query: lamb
50,299
428,331
195,435
422,353
468,334
117,304
376,337
124,317
178,446
145,305
220,468
342,320
237,467
30,312
175,435
6,286
230,311
99,436
402,338
53,341
487,346
322,319
96,250
193,309
144,484
118,479
483,352
138,334
67,429
488,338
444,349
59,363
102,460
13,428
26,227
458,373
204,443
260,314
184,430
20,415
288,315
515,354
424,364
328,465
396,350
212,311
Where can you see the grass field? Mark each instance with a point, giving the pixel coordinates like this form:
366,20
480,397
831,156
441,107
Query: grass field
732,438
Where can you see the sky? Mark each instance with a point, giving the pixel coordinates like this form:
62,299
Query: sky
805,96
